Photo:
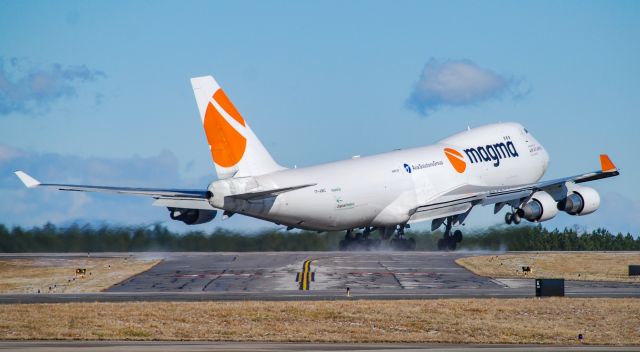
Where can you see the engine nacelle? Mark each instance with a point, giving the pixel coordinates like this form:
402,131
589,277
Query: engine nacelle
540,207
581,201
192,216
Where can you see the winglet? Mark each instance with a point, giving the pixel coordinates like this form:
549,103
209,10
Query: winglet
28,181
606,164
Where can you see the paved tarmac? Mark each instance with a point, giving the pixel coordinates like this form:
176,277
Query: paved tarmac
272,276
109,346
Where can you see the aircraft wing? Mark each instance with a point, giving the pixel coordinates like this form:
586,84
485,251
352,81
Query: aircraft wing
173,198
187,194
460,201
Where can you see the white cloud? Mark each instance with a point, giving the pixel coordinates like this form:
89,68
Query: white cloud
458,83
25,87
7,153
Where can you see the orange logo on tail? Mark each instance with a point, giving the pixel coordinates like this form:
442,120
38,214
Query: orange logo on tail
456,159
227,144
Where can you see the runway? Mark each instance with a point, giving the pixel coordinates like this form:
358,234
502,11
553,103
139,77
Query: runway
272,276
184,346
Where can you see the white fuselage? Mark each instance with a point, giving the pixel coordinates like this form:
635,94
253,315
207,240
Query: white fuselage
383,190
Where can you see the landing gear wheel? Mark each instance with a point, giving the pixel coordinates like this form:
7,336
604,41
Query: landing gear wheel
449,241
516,218
508,218
457,236
348,243
401,243
447,244
359,241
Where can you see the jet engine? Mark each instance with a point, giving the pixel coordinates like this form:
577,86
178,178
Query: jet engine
540,207
581,201
192,216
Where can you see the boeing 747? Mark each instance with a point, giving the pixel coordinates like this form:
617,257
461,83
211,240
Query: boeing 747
498,165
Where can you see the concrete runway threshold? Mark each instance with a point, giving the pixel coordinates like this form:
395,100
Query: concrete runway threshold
113,346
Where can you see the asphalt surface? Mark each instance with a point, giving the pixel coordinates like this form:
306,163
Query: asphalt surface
108,346
272,276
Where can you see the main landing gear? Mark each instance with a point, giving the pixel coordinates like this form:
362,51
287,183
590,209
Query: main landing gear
449,241
360,241
512,217
401,243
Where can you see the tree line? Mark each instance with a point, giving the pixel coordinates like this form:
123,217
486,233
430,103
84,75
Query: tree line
87,238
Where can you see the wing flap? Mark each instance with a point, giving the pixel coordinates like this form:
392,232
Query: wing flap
202,204
505,196
440,212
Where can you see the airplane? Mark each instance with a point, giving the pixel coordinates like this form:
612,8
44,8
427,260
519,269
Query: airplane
497,165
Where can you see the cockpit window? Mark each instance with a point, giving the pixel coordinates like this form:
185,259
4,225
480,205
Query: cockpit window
525,131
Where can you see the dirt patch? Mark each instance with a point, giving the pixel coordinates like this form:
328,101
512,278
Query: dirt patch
586,266
551,321
58,275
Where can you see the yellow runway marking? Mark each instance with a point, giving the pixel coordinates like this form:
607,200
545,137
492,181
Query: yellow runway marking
306,276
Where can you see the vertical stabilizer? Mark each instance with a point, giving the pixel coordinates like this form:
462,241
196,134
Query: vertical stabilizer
235,149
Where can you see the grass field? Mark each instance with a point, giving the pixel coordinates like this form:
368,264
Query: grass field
551,320
28,275
590,266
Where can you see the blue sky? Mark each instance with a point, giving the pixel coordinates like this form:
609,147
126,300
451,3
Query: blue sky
99,91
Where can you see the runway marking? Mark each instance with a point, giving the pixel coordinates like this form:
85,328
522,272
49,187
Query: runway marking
306,276
204,288
214,275
394,273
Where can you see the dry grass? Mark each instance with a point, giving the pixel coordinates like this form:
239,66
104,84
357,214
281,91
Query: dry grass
22,275
591,266
552,320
